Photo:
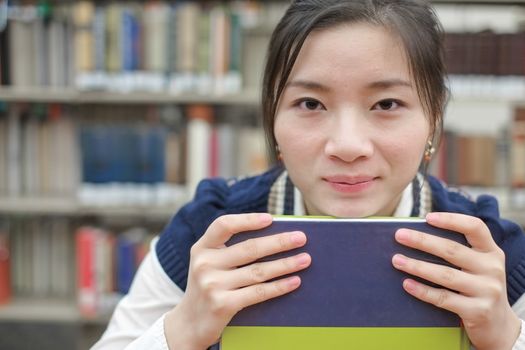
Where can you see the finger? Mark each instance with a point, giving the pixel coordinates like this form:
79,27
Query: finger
455,253
264,271
258,293
224,227
442,298
255,248
475,230
445,276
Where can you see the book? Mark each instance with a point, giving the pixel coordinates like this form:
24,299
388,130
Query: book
83,13
199,129
127,262
5,266
3,154
86,277
14,153
517,149
351,293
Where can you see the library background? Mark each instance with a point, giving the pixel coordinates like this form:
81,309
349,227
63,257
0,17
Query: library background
111,112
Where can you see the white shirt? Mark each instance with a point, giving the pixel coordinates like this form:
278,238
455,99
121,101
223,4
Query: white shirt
138,320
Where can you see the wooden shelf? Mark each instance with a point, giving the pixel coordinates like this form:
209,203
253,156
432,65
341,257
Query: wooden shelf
480,2
47,310
249,97
70,207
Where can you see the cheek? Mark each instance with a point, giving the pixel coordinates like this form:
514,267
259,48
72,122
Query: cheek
406,150
291,135
279,128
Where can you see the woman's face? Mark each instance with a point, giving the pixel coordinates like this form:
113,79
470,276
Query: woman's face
350,126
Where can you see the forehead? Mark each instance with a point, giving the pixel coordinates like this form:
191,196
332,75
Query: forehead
350,52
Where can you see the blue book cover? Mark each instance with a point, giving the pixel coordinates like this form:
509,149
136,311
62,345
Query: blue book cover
150,152
351,297
125,159
129,38
97,154
125,252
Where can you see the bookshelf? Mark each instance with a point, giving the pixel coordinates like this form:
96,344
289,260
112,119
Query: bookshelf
43,310
72,208
90,91
480,2
150,102
247,97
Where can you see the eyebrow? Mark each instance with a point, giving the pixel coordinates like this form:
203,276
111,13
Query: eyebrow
389,83
308,84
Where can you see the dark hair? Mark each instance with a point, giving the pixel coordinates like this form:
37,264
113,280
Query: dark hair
414,21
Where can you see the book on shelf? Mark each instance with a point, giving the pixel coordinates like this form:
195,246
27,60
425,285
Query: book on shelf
471,160
130,250
82,18
199,131
3,154
12,165
5,265
5,76
517,139
351,293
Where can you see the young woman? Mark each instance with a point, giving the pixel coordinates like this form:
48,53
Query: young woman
353,100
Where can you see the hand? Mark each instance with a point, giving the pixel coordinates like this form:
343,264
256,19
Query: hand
480,297
223,280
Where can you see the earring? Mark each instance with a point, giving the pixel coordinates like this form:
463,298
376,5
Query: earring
429,151
279,154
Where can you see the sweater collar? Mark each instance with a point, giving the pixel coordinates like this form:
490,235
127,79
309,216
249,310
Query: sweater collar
286,199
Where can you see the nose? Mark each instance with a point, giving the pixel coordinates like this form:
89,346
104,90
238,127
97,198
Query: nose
349,137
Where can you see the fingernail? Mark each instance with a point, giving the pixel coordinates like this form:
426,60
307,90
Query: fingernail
298,238
432,216
410,286
399,260
265,217
303,259
293,282
402,235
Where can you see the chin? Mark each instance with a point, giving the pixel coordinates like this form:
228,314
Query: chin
351,212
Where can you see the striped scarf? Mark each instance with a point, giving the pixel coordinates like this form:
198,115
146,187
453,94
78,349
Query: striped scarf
286,199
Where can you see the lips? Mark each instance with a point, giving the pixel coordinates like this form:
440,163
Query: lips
350,184
349,180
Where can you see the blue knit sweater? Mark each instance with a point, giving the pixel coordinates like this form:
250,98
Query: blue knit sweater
216,197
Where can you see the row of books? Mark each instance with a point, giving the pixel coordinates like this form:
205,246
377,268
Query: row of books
50,258
38,151
180,46
485,53
137,46
41,257
106,265
488,160
53,151
472,160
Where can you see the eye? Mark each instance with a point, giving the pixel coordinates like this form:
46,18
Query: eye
387,105
310,104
